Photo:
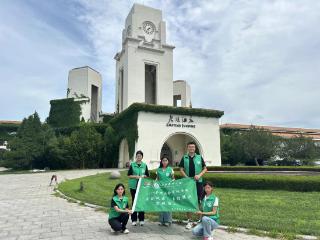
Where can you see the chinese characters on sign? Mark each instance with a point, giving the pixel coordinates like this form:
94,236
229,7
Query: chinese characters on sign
180,121
175,196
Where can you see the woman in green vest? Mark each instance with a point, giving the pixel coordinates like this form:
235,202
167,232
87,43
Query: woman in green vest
137,170
209,214
119,210
165,174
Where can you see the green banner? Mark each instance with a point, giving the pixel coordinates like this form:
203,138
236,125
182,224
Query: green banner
174,196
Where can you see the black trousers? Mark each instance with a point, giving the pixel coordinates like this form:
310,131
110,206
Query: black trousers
136,215
200,190
119,223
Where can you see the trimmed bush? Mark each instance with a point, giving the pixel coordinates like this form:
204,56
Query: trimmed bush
261,182
263,168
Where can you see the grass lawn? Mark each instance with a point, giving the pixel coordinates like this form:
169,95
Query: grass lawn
273,211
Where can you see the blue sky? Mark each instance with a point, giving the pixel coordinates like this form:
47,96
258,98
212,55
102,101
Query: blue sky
259,60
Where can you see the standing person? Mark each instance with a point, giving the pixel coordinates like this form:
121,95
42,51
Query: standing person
119,211
55,178
165,174
137,170
209,214
192,165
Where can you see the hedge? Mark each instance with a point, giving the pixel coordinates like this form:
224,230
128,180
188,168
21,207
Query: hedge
263,168
261,182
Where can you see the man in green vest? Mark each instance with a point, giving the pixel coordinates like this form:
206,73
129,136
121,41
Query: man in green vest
193,166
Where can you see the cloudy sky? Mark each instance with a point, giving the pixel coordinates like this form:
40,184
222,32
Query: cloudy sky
257,60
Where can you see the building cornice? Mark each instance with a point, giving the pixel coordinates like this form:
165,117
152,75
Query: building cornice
168,46
151,49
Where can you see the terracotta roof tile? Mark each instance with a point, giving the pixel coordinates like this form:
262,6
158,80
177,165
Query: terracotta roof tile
279,131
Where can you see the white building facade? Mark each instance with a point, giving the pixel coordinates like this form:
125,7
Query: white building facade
181,94
85,84
144,66
144,74
165,133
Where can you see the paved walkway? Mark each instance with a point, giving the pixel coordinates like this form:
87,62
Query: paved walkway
28,210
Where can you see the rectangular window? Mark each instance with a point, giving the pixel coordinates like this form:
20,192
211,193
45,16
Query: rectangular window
120,91
150,83
177,100
94,104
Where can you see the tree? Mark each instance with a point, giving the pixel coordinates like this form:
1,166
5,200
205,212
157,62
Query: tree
259,145
252,146
110,148
232,150
85,146
298,148
27,145
47,139
59,153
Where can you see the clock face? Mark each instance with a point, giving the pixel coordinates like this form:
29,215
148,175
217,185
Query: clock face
148,27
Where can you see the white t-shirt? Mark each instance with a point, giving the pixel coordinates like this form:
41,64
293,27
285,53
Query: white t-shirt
216,201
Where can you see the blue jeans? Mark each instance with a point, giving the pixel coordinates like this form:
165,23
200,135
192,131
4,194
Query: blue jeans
205,227
165,217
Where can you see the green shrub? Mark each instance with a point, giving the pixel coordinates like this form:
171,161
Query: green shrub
263,168
261,182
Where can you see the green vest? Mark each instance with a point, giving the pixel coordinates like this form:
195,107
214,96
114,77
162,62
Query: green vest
166,175
207,206
197,165
121,204
136,170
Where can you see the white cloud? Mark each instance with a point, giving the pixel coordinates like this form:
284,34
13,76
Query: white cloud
35,60
258,60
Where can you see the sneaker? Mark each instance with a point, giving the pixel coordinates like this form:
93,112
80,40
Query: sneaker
208,238
134,223
189,225
166,224
141,223
126,231
112,231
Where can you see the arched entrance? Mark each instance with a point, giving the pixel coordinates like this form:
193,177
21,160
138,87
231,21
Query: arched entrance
176,145
165,150
123,154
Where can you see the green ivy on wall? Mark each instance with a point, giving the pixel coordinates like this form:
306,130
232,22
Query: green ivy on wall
125,126
200,112
64,112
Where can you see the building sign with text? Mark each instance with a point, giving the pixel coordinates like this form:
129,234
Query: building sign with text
181,122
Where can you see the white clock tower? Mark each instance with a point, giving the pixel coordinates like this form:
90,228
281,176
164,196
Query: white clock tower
144,65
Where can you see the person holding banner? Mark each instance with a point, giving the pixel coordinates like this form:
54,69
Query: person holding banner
192,165
119,211
137,170
209,214
165,174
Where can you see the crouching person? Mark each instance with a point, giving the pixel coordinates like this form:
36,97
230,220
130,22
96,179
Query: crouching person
209,214
119,210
